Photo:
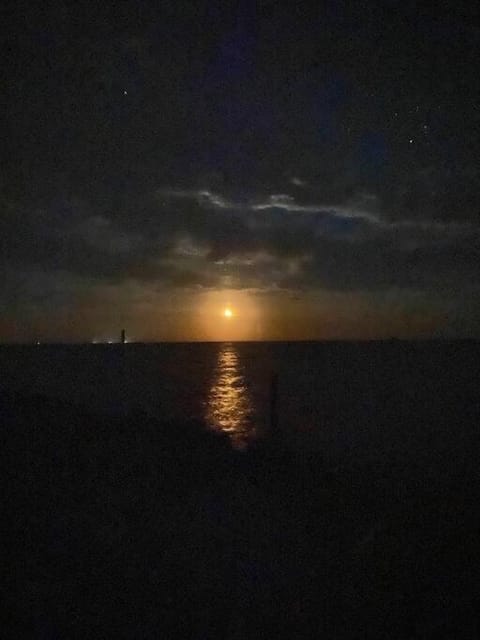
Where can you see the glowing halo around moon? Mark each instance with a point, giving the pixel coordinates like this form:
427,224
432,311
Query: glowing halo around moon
227,315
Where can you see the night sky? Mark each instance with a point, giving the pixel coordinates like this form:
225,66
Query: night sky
314,167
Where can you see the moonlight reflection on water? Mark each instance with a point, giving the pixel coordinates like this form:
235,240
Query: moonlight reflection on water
229,407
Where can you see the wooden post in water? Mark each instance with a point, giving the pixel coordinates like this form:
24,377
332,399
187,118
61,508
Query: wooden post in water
123,374
273,405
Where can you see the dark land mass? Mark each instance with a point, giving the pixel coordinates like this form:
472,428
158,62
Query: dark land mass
128,527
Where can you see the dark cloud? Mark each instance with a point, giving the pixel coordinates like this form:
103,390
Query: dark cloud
200,238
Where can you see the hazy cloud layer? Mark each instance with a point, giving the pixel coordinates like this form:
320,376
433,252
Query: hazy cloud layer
198,237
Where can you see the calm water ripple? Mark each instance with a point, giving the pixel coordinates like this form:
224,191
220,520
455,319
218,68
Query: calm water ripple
229,406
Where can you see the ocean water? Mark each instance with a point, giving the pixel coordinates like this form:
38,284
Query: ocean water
375,534
337,396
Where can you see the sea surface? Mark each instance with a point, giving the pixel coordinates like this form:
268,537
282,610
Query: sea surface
357,517
332,395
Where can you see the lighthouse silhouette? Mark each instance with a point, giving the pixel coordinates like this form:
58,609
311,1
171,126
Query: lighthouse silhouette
122,337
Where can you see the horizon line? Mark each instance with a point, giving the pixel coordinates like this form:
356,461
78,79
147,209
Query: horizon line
112,343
